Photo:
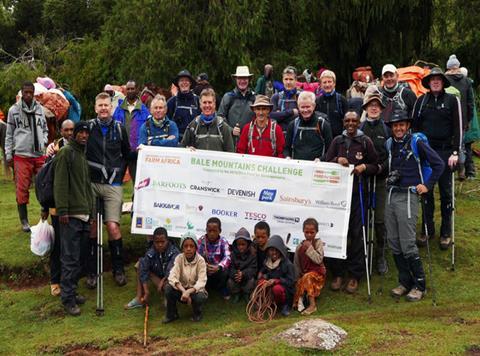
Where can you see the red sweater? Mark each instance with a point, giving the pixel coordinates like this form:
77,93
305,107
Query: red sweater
261,145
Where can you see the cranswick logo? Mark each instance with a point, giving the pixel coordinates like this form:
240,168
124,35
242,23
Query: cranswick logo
162,159
286,219
205,188
221,212
143,184
250,215
295,200
241,193
268,195
166,206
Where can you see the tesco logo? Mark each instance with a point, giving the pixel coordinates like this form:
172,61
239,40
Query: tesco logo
249,215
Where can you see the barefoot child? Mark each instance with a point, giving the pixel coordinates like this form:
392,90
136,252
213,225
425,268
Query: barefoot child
309,267
154,266
261,235
187,280
279,273
243,269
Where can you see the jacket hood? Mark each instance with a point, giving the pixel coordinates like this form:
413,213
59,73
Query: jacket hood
358,134
277,242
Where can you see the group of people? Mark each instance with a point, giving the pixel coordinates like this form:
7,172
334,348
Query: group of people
379,139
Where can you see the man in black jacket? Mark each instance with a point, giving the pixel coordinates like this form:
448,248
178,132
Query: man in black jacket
437,115
108,151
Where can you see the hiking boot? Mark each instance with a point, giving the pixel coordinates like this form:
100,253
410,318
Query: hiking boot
398,291
72,309
415,295
23,215
91,281
285,310
445,242
25,226
167,319
55,289
422,240
382,266
120,278
336,284
80,299
352,286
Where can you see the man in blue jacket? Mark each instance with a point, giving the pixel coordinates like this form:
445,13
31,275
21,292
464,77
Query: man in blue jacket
159,130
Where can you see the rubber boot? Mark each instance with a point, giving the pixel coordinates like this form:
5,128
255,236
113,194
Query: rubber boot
404,275
23,215
416,268
116,253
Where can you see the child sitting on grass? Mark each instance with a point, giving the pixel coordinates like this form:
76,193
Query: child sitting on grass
261,235
154,266
309,268
243,268
187,280
278,272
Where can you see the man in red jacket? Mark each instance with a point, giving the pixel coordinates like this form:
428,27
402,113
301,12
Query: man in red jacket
262,136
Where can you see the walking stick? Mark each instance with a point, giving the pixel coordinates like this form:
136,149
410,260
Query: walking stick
145,327
453,221
364,239
100,310
373,207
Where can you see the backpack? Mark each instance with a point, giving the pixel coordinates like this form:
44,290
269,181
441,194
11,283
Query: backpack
190,108
149,131
424,168
338,98
318,128
219,126
392,104
44,181
117,124
282,99
273,136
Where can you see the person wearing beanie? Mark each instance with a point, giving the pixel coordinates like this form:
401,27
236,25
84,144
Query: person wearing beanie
394,95
331,103
108,151
243,268
186,281
464,86
74,202
185,106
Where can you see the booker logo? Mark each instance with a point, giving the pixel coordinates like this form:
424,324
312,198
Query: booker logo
221,212
250,215
268,195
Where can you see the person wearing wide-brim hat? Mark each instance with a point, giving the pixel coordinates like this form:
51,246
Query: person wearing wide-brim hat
437,115
235,104
375,128
402,208
185,106
262,136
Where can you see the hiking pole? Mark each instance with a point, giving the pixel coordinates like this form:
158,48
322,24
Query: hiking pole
145,327
364,238
453,221
434,297
374,206
100,310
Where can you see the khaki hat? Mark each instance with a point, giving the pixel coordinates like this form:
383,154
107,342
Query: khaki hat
369,98
242,71
262,100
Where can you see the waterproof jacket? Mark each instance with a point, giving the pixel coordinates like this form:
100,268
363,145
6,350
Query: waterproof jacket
216,136
245,262
132,121
401,98
464,86
182,109
20,137
284,103
253,143
235,107
153,135
157,263
72,189
108,151
312,138
285,272
438,117
379,133
190,274
334,105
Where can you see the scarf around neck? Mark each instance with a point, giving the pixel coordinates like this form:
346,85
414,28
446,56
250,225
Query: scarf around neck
272,265
207,119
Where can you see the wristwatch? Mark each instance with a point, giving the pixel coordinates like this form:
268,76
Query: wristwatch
455,153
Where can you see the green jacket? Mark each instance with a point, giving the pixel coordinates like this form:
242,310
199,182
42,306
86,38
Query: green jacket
72,189
214,137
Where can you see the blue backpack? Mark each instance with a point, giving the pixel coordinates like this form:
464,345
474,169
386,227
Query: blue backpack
424,168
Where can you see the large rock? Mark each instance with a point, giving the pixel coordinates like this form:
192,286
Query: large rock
314,334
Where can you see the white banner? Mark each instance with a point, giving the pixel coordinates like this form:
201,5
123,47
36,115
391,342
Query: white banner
179,190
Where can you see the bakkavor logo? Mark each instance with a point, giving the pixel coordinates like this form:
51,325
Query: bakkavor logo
204,188
172,206
169,185
250,215
143,184
156,159
268,195
286,219
221,212
295,200
241,193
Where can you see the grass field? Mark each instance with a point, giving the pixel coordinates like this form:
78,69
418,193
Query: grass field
33,322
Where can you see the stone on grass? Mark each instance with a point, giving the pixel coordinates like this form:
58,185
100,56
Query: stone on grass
314,334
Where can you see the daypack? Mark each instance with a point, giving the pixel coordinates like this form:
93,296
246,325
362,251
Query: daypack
363,74
273,136
44,181
282,100
117,124
149,131
338,98
183,107
424,168
318,128
392,104
219,126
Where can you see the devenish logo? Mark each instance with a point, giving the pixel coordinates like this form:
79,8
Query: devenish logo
241,193
295,200
162,159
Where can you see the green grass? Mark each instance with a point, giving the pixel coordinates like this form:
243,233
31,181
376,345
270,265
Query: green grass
33,322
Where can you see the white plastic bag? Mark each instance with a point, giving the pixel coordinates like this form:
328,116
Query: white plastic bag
42,238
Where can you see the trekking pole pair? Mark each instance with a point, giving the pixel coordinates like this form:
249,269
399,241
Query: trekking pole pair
100,310
360,187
